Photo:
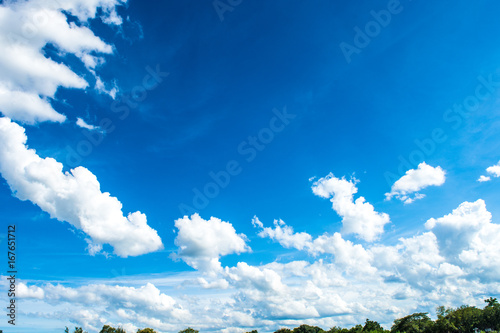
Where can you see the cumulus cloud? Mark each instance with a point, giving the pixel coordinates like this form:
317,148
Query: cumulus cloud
144,305
456,230
415,180
358,217
202,242
29,78
469,239
283,234
347,284
349,256
483,178
74,197
493,170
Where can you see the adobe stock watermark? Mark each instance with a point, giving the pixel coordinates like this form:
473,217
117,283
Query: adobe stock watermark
455,116
247,149
373,28
223,6
121,106
38,17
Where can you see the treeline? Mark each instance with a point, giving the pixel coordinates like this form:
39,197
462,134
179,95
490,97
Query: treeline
464,319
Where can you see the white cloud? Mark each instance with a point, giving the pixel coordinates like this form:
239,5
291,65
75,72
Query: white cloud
29,78
251,277
468,239
494,170
283,234
348,284
30,292
73,196
144,306
358,217
415,180
81,123
456,230
483,178
202,242
351,257
100,86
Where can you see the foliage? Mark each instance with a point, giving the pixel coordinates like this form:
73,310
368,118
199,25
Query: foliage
308,329
283,330
414,323
108,329
372,326
191,330
491,315
466,318
77,330
146,330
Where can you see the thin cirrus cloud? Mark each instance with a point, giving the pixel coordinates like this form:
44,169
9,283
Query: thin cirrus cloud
406,188
74,197
358,217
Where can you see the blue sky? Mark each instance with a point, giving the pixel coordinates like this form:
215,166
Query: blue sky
361,129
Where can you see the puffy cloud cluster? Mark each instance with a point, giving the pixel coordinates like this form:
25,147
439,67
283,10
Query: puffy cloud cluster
493,171
358,217
29,78
93,305
283,234
468,239
73,196
202,242
348,283
406,188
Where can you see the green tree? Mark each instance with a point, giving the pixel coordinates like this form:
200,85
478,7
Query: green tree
79,330
252,331
146,330
466,318
308,329
108,329
356,329
491,302
372,326
189,330
414,323
490,316
338,329
283,330
443,323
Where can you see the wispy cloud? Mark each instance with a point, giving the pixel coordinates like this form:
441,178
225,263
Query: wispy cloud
406,188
